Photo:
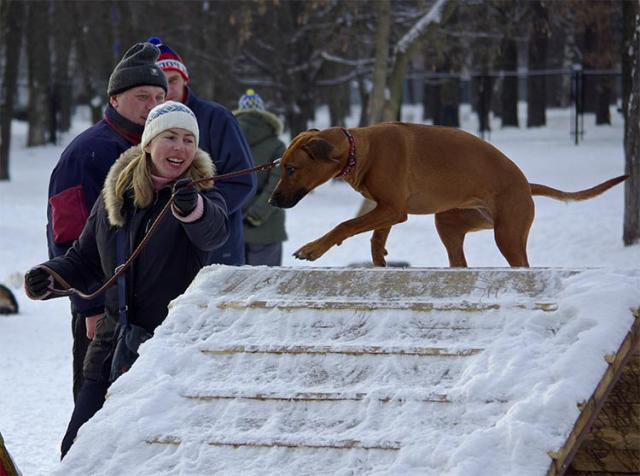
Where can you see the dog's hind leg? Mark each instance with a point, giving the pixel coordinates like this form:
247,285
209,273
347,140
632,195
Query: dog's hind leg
512,230
378,241
453,225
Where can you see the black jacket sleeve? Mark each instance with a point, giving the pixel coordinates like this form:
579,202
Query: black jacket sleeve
81,266
211,230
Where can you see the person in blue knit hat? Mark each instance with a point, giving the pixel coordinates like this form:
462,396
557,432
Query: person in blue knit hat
264,224
220,137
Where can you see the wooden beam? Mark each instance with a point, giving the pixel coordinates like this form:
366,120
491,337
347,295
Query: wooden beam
354,305
322,397
342,350
561,459
621,461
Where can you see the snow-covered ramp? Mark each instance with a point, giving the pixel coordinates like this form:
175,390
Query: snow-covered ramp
312,371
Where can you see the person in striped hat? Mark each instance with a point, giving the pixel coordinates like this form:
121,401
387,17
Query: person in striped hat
222,138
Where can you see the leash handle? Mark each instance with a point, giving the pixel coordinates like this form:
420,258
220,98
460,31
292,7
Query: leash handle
68,290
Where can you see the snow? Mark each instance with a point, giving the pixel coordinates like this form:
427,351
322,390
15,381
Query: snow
521,363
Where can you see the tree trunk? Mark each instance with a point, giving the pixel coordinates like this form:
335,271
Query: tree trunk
62,90
39,70
484,85
11,22
536,90
377,101
450,100
604,93
411,42
509,93
435,103
396,85
631,67
364,102
339,105
427,100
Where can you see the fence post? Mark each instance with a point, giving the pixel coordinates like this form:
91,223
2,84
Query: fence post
578,100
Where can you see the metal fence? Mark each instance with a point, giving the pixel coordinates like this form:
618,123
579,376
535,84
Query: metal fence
575,83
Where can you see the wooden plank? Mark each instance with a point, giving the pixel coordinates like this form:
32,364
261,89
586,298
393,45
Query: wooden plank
320,397
339,445
389,283
341,350
618,415
354,305
608,460
334,445
612,438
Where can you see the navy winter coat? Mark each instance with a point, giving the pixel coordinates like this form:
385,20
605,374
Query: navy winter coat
222,138
76,182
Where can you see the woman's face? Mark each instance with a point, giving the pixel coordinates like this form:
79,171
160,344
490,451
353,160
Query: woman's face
172,152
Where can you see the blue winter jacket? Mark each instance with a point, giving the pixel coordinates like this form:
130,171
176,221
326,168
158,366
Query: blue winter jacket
222,138
76,182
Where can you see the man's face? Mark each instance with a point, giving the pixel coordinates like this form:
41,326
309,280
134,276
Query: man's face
176,84
135,103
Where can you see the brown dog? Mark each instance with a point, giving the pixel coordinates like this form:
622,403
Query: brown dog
410,168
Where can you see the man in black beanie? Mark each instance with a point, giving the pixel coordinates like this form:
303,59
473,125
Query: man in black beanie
135,87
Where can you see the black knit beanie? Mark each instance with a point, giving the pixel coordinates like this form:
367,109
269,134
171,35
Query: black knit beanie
137,68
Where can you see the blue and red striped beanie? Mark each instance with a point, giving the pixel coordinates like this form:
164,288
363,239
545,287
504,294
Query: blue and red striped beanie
169,60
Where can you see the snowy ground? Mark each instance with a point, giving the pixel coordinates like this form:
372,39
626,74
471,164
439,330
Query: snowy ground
35,346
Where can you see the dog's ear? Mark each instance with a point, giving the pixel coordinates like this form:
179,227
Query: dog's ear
319,149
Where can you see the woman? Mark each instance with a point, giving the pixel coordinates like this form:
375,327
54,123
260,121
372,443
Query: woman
138,186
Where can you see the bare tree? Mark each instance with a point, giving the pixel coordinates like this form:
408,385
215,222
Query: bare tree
39,72
406,48
11,30
631,64
63,35
536,90
376,104
509,16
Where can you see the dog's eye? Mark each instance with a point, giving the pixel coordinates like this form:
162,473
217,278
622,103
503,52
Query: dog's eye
289,170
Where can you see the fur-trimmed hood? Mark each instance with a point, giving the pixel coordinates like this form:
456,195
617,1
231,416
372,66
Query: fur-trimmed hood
201,167
266,116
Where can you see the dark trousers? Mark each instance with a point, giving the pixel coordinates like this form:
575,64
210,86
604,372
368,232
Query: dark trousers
263,255
90,399
92,393
80,344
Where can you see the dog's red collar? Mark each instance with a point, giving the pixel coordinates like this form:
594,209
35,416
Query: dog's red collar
351,158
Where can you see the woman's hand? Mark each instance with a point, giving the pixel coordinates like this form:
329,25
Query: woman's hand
37,283
186,198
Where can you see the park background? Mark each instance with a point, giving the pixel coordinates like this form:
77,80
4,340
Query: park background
549,83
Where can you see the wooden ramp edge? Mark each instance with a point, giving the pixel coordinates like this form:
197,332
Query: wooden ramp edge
621,461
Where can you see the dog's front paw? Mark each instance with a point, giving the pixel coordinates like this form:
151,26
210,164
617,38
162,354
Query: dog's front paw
311,251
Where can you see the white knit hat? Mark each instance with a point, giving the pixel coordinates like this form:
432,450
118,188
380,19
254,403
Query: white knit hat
169,115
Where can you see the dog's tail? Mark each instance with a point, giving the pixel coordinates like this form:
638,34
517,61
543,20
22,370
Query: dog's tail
543,190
